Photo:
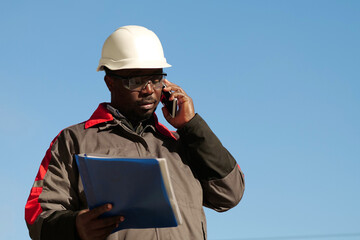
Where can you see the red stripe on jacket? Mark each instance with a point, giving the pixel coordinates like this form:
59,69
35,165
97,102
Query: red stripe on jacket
32,207
162,129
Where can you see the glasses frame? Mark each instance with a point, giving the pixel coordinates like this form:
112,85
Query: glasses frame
128,79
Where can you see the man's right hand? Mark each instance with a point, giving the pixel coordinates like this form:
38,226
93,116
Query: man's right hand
90,226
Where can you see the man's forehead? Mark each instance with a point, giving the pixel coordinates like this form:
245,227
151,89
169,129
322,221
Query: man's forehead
138,71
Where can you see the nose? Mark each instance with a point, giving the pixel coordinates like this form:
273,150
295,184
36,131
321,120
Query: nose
148,88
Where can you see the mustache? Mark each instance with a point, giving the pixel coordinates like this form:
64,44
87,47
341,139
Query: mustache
147,100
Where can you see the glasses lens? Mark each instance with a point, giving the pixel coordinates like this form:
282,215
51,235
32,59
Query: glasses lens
139,83
136,83
157,80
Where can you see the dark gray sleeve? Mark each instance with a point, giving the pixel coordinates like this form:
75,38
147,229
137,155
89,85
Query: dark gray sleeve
59,199
60,225
220,176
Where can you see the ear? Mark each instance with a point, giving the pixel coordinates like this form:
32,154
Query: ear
109,83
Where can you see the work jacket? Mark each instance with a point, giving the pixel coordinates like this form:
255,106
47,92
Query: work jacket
202,173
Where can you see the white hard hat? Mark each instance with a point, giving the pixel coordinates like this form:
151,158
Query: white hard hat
132,47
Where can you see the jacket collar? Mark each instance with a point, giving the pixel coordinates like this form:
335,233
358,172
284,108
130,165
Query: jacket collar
102,114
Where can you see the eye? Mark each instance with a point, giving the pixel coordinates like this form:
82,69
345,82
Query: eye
156,78
136,81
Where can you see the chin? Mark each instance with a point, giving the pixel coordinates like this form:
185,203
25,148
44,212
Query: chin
141,114
146,115
149,113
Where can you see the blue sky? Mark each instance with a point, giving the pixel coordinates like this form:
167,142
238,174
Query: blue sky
277,81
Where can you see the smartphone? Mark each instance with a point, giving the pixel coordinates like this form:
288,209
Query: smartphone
170,105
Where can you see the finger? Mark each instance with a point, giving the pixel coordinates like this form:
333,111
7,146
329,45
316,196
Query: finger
179,95
176,88
83,211
96,212
108,225
167,82
166,87
171,85
109,222
172,89
83,216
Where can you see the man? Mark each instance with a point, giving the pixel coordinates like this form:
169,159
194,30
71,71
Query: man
202,171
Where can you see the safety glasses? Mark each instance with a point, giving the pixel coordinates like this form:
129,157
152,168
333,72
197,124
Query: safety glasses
138,83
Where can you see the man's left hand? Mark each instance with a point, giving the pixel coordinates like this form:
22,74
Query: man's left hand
185,106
